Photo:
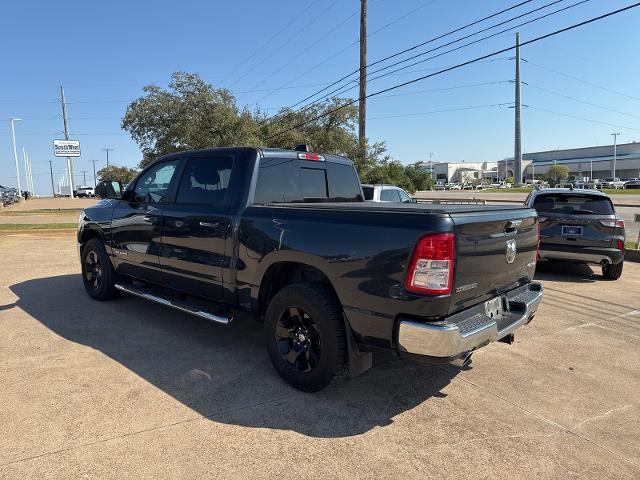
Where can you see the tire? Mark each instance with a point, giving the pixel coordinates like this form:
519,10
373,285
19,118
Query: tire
98,275
306,337
612,272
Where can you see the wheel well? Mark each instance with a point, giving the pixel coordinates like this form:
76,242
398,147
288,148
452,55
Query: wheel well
283,274
88,234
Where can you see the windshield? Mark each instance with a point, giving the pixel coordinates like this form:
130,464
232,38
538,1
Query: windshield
573,204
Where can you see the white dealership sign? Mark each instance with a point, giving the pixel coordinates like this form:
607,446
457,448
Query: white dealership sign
66,148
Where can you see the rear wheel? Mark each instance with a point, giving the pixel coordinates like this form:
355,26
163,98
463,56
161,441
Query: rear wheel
306,338
98,275
611,271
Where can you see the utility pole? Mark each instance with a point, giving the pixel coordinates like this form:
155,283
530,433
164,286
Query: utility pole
53,188
362,101
615,153
84,177
107,150
95,182
15,153
518,133
66,136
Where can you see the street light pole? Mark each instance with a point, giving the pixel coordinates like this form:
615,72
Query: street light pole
615,153
15,153
95,182
107,150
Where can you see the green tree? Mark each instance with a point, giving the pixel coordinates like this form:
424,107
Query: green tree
117,174
556,174
192,114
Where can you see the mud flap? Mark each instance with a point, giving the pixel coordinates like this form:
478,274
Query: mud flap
359,362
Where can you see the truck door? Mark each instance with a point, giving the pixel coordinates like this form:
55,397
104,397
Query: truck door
136,223
195,227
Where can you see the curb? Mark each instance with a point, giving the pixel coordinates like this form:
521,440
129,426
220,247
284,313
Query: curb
631,255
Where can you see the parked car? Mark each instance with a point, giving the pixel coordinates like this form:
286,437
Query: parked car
501,184
632,183
453,186
385,193
580,226
286,237
611,182
439,186
85,192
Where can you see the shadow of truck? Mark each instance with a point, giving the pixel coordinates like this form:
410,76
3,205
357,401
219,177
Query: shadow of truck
223,373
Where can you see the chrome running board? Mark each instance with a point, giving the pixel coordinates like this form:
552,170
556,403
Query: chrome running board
182,306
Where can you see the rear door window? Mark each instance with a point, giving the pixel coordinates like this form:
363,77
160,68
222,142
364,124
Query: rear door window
573,204
205,181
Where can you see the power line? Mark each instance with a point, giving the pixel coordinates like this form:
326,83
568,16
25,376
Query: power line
303,52
396,20
431,40
346,88
463,64
583,118
293,37
568,97
272,38
432,112
480,39
581,80
445,89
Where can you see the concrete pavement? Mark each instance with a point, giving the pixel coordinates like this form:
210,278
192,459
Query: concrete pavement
129,389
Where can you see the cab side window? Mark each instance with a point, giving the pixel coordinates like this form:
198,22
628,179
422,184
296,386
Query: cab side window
153,186
389,195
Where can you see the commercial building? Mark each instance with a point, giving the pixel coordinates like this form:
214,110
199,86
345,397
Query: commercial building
460,172
588,162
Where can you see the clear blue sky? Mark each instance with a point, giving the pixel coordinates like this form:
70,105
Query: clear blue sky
104,52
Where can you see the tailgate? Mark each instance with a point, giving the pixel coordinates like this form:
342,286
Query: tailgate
495,251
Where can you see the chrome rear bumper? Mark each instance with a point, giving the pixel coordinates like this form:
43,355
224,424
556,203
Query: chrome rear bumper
470,329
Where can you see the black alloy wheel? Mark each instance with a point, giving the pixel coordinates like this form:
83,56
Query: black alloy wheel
93,270
299,340
98,274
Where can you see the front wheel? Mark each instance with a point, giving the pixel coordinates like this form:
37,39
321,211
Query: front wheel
306,337
611,271
98,275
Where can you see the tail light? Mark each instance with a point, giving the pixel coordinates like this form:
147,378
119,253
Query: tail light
620,245
607,222
431,267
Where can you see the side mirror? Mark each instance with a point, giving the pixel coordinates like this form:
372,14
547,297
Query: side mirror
109,190
413,200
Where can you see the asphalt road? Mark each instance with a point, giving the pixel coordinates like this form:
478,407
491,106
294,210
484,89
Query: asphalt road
129,389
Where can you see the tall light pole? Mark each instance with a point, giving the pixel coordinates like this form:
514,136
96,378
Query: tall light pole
615,153
15,152
26,168
431,154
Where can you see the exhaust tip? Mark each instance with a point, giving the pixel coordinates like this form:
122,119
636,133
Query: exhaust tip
462,361
604,262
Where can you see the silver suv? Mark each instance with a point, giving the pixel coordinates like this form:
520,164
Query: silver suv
385,193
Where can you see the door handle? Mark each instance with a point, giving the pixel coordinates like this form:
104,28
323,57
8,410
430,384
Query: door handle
150,219
210,224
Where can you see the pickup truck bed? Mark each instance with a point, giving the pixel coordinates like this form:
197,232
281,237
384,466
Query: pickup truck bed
292,243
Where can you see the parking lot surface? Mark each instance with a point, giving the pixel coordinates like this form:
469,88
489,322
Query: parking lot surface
129,389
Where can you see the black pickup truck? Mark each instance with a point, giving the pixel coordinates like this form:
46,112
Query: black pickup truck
285,237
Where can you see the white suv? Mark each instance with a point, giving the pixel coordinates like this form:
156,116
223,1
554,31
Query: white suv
385,193
85,192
